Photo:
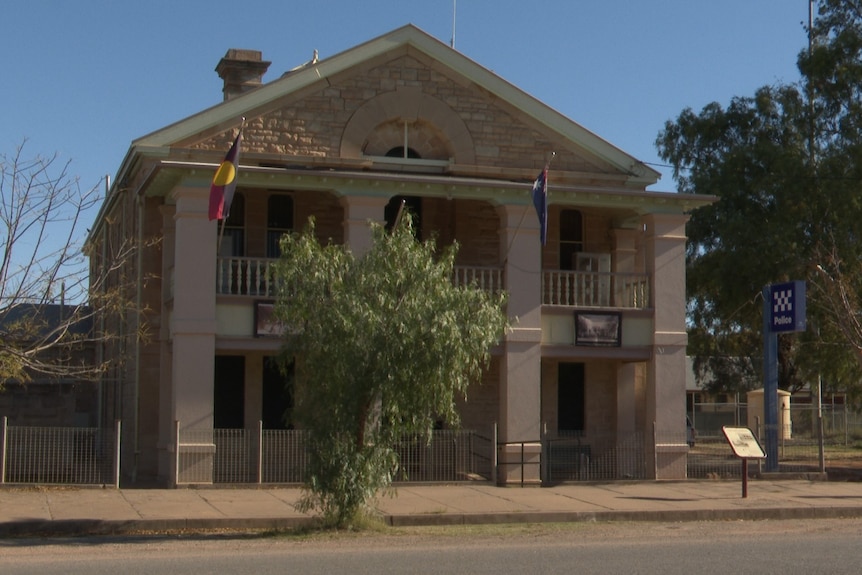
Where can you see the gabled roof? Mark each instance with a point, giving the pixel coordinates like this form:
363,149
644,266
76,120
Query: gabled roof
225,115
42,319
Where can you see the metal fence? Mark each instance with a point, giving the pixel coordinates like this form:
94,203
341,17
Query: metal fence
59,455
279,456
840,423
51,455
576,458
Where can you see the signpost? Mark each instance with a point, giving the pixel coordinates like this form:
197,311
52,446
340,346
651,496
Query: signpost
783,311
745,446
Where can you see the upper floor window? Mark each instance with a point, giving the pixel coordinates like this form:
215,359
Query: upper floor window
403,152
233,242
571,238
279,221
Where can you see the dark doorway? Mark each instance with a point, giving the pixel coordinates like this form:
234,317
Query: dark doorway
229,392
277,412
570,397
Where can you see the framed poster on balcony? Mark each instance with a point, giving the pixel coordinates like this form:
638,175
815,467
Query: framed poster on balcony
265,322
598,329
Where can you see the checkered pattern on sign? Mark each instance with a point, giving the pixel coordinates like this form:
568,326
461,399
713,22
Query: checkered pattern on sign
782,301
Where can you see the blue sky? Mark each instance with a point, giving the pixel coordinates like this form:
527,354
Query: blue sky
84,78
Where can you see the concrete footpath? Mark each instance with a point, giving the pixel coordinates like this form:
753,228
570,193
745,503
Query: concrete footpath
30,511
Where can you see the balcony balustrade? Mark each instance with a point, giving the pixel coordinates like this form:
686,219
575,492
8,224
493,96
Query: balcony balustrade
595,289
246,276
256,277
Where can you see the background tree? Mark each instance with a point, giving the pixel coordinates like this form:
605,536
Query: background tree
785,164
384,344
43,214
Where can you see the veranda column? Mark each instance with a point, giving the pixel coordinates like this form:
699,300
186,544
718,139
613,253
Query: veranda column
358,211
665,385
520,373
629,375
628,462
193,328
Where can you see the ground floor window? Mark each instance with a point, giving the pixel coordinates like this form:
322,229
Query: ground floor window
277,395
229,392
570,397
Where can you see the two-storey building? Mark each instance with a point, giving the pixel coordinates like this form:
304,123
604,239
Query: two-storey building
598,347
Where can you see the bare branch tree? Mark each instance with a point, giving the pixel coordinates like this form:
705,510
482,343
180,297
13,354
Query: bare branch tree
48,301
834,292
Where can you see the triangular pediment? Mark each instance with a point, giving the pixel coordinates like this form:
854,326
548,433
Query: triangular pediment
359,103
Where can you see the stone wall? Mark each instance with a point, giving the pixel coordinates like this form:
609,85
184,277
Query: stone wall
312,122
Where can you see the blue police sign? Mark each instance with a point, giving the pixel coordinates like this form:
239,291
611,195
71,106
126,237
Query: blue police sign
787,305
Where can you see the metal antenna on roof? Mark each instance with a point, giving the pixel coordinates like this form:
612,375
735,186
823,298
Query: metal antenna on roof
452,42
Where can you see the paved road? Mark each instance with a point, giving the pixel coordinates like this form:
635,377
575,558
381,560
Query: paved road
787,547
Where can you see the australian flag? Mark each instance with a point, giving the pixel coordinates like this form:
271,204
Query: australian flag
540,201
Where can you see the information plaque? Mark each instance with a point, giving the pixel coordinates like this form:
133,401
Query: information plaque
745,446
743,443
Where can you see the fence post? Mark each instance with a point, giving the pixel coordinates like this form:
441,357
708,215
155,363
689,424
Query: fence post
494,453
757,435
3,451
821,453
116,466
472,463
654,451
544,457
259,451
176,453
454,457
523,463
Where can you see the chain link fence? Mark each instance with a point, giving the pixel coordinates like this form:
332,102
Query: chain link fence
800,447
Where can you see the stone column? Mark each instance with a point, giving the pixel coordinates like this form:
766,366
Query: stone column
665,384
358,211
193,329
627,374
520,373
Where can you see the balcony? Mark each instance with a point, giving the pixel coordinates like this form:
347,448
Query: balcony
255,277
595,289
489,279
246,276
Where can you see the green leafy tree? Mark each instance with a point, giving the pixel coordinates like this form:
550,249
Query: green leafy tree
785,165
383,346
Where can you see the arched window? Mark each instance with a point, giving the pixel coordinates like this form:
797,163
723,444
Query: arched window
400,152
279,221
571,238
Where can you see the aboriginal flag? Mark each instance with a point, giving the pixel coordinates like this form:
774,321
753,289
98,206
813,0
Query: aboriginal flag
224,182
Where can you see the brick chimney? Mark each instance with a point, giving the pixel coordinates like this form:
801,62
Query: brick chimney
241,70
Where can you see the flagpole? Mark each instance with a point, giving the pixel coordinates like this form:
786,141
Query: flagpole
398,215
527,209
224,220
